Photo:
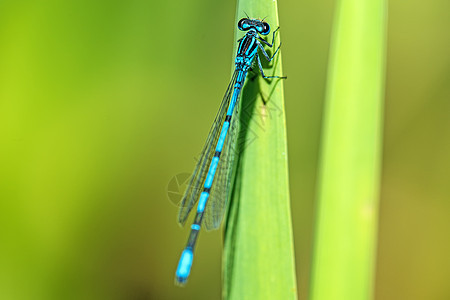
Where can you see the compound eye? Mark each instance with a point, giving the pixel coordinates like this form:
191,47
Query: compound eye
243,24
266,29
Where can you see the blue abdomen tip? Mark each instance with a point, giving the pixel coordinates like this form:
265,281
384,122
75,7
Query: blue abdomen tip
184,266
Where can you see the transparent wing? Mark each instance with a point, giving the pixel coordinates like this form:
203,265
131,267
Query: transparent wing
195,186
220,190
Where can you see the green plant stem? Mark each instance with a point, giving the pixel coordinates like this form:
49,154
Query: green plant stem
258,252
347,212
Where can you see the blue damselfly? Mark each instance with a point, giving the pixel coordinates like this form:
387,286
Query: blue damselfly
215,163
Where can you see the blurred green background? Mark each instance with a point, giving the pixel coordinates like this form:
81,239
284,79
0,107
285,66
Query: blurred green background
102,103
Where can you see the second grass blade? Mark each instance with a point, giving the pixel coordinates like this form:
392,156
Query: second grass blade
347,213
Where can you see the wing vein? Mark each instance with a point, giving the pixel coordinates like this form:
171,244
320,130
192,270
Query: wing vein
198,177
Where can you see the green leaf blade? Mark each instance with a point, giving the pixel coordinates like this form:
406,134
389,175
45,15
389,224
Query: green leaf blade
258,253
347,213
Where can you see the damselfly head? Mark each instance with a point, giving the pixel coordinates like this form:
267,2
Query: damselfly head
259,25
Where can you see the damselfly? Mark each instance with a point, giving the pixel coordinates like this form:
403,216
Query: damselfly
217,157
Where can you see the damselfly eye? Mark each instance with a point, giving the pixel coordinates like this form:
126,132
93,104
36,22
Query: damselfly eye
266,29
243,24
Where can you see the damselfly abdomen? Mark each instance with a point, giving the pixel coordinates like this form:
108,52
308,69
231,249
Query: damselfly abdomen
211,181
